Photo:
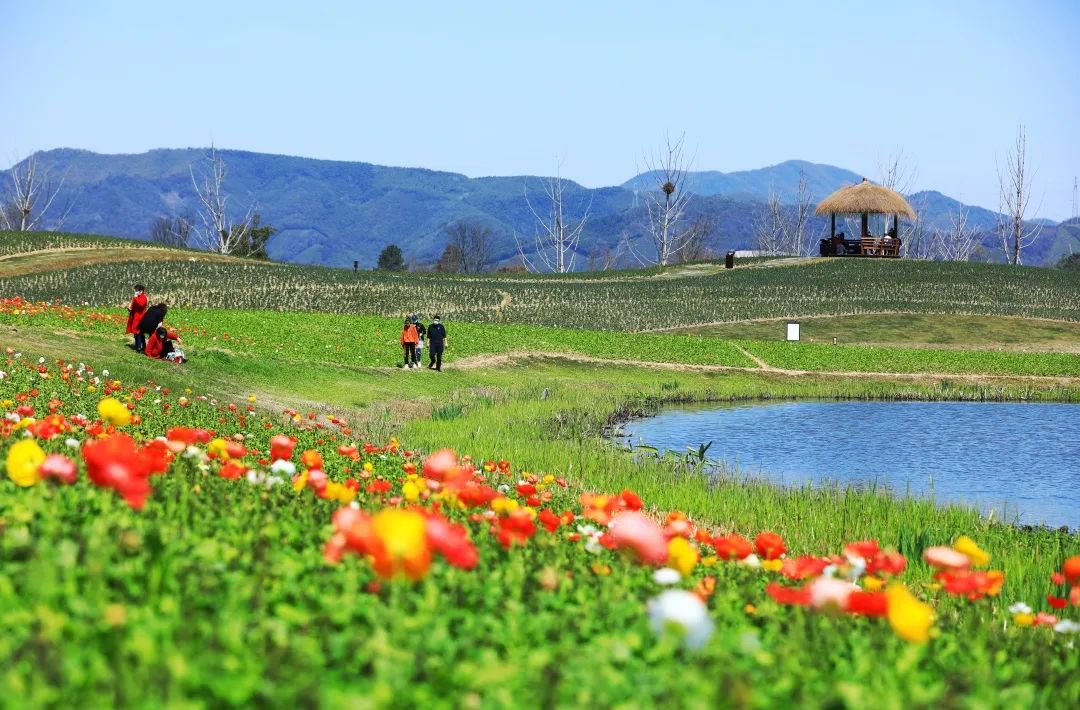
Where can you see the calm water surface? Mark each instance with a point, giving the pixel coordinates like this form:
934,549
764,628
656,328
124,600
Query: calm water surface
1023,458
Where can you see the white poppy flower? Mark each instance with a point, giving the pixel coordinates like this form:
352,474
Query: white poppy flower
751,560
666,576
683,610
1019,608
283,467
1067,626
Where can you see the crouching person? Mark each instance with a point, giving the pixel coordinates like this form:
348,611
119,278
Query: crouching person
164,344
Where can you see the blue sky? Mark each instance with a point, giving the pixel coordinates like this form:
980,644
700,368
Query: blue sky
505,88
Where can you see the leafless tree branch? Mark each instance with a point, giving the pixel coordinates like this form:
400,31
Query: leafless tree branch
1014,184
557,236
218,232
29,194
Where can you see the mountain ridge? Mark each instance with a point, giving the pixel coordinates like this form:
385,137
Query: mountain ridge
334,212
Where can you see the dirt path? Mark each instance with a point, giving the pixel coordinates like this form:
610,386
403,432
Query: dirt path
477,362
824,316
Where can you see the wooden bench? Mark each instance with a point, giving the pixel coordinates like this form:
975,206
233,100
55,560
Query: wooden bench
878,246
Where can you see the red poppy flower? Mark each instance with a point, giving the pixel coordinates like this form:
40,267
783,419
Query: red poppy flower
803,567
549,520
890,563
865,549
789,595
515,529
867,603
452,542
440,464
769,546
115,462
630,500
1071,569
232,469
281,448
732,547
1056,602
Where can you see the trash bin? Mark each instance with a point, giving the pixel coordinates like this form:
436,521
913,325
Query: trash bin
729,262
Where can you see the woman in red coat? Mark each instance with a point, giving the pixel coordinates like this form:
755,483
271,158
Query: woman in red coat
156,344
135,314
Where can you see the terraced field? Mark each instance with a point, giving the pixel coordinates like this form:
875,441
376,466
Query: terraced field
624,302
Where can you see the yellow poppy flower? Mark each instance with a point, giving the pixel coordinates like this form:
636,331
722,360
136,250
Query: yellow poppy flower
112,411
910,618
24,460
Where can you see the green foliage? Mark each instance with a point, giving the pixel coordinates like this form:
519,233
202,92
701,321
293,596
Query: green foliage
217,593
391,259
254,245
628,301
858,358
1070,262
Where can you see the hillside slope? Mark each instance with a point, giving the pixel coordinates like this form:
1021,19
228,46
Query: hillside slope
615,301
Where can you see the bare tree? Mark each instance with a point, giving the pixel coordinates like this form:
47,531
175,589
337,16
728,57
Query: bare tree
781,229
470,243
696,246
898,173
667,227
170,231
557,235
30,192
218,232
958,242
604,258
1014,183
918,241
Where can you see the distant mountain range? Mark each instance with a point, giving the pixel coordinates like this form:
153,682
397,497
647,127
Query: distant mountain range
334,212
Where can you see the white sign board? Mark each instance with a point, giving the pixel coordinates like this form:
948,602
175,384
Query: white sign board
793,330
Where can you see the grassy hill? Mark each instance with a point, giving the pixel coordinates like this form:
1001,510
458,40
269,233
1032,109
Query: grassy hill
224,588
624,301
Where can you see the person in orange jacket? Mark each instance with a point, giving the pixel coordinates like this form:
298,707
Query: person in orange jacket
135,313
409,339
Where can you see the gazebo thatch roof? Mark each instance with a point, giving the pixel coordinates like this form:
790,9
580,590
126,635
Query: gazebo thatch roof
865,198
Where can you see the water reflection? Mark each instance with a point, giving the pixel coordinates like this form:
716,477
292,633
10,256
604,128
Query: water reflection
1021,457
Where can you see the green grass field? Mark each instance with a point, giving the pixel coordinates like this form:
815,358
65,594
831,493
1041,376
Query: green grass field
911,329
620,302
217,592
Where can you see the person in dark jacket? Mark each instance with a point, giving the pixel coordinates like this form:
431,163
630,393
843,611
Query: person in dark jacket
437,341
152,318
135,313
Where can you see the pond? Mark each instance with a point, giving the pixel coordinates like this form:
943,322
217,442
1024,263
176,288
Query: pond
1019,459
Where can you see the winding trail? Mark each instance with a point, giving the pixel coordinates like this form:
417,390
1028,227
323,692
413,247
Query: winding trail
476,362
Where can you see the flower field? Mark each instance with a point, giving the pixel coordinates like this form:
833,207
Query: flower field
367,341
164,543
616,302
163,546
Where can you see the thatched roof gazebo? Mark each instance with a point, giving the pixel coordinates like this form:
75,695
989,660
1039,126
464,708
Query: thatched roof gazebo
866,199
